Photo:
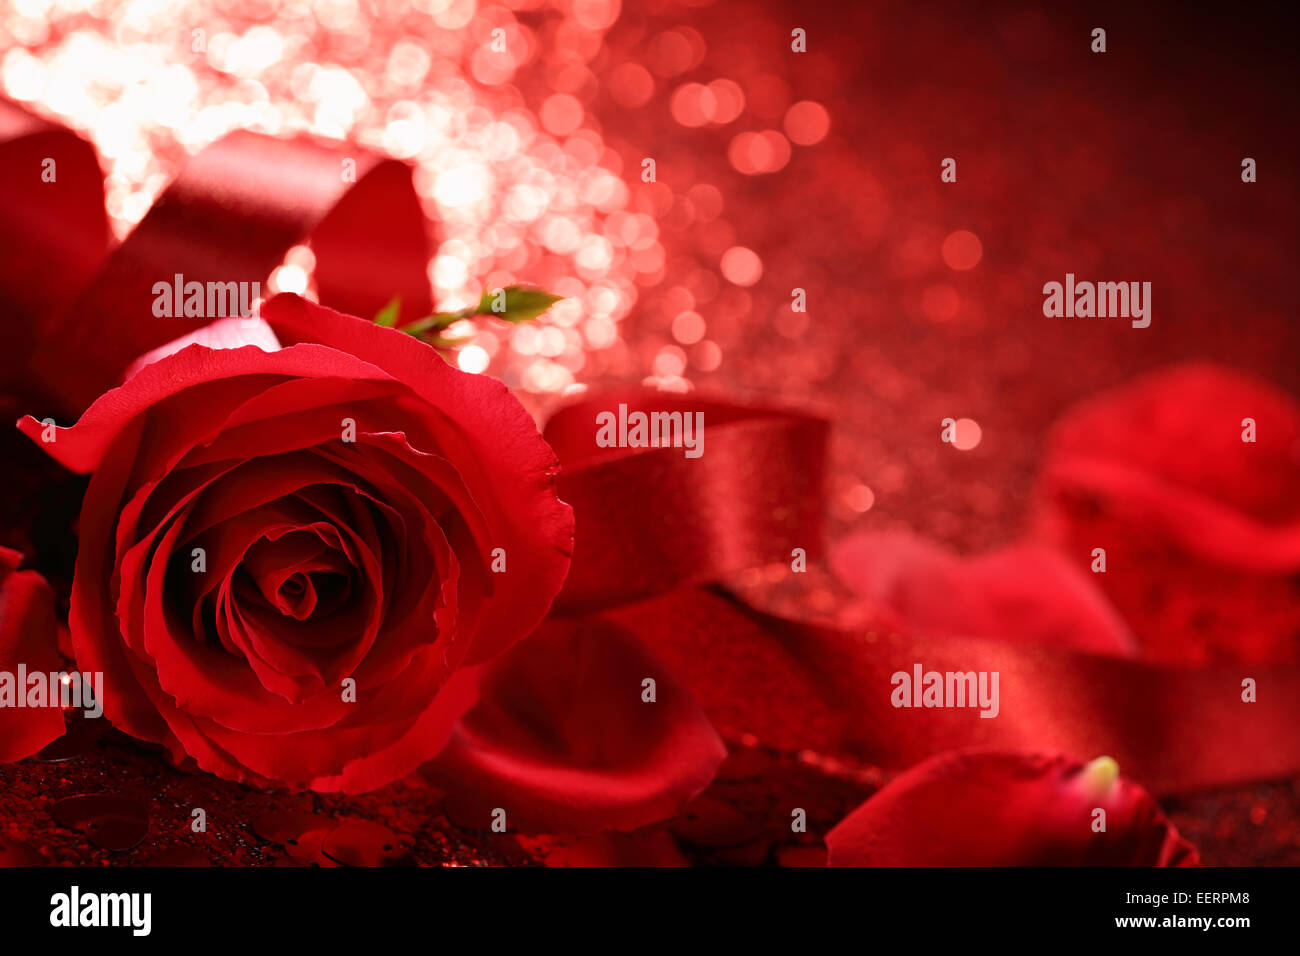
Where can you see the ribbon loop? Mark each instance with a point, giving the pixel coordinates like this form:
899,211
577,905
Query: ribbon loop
651,519
231,214
53,231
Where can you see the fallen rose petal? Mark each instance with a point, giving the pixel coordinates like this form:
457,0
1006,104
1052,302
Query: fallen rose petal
564,743
744,673
801,856
17,853
754,853
1183,426
362,843
179,856
307,849
710,822
108,820
1200,528
982,808
28,638
1024,593
281,826
619,849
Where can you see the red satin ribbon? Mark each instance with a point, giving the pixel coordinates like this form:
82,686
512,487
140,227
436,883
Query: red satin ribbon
230,216
800,685
649,520
53,235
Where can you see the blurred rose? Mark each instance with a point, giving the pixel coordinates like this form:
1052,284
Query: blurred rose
1201,529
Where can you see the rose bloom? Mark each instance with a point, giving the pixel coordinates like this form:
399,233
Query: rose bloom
292,560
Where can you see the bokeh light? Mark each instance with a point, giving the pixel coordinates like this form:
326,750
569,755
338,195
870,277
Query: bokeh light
962,250
966,434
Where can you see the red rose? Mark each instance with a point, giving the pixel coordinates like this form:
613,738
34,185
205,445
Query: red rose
262,528
27,638
1008,809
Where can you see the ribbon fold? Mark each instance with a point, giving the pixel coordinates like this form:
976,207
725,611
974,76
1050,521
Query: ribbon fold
82,313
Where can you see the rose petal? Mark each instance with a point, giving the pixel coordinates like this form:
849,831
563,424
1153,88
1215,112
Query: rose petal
655,848
17,853
307,849
1025,593
231,333
1201,529
281,826
226,373
563,741
179,856
1182,426
363,843
27,636
109,820
1008,809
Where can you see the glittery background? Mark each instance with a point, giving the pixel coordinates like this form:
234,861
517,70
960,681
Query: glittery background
774,171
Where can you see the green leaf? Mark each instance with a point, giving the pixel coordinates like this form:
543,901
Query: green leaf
387,316
431,323
516,303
